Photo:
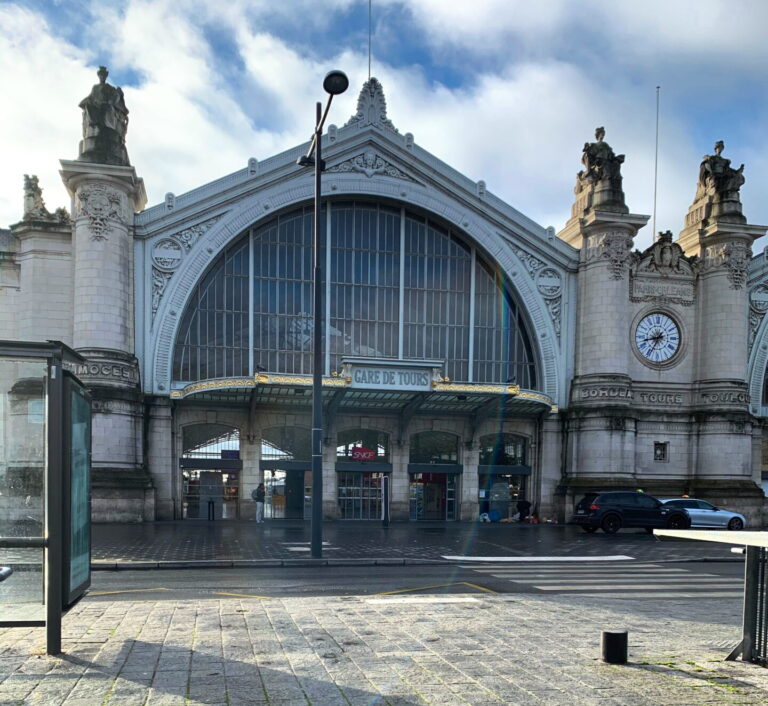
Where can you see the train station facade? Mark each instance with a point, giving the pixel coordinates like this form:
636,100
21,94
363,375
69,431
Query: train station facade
470,355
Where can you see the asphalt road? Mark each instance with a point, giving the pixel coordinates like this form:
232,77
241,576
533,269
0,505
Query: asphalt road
663,580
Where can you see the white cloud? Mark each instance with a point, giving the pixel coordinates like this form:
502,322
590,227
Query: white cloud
519,127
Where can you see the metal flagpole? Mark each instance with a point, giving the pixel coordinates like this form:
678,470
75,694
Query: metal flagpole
656,163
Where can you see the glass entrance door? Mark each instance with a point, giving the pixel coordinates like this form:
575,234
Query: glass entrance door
288,494
433,496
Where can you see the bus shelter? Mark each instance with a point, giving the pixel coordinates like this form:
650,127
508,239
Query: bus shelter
45,485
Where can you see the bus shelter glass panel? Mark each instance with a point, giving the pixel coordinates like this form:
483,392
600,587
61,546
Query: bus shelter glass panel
23,434
498,491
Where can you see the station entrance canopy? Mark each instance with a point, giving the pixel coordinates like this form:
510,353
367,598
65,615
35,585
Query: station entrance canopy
403,388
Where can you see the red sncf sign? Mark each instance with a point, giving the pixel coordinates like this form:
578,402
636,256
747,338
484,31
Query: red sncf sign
360,453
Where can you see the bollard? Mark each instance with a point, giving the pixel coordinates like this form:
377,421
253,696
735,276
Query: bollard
613,646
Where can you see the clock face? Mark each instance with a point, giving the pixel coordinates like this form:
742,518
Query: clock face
657,337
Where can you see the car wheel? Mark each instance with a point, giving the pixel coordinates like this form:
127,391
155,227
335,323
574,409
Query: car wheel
611,524
678,522
589,529
735,524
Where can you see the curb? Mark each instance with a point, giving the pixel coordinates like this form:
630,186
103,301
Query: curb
108,565
121,565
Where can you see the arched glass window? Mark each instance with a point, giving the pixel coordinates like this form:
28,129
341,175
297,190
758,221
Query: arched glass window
210,441
434,447
502,450
400,286
356,445
286,444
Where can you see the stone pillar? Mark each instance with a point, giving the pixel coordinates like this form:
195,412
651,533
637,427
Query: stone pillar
104,199
469,507
550,466
161,459
399,503
602,227
330,483
251,475
718,233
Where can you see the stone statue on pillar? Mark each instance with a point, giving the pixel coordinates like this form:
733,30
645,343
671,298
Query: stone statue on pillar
105,123
719,182
598,185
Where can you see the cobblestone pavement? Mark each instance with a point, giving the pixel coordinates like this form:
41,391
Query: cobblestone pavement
286,540
420,649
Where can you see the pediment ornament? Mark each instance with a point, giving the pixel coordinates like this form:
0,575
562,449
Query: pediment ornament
370,164
665,258
372,108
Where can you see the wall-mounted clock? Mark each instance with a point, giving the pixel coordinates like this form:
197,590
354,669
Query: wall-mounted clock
657,337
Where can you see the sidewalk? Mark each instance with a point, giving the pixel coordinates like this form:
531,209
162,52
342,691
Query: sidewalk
421,649
187,543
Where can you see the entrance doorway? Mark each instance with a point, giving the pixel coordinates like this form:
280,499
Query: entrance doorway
210,495
433,496
288,494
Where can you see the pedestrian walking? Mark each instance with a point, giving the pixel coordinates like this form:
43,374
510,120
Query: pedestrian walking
258,496
523,507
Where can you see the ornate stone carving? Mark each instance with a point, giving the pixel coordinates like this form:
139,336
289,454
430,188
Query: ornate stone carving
166,254
105,123
614,246
663,274
532,264
102,206
733,256
159,283
34,206
737,257
370,164
372,108
598,185
189,236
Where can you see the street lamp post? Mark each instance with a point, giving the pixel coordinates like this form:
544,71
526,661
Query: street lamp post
335,82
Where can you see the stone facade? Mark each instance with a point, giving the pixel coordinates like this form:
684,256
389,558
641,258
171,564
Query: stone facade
611,408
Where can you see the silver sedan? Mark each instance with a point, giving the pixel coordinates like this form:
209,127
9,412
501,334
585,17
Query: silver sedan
704,514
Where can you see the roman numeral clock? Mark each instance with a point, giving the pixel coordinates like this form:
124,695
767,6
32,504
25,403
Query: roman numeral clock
657,338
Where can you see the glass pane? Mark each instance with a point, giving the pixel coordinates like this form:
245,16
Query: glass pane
21,595
22,446
80,480
22,473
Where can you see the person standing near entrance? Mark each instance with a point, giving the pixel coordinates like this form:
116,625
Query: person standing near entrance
524,508
258,496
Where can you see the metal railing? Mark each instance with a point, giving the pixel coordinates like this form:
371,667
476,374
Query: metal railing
754,641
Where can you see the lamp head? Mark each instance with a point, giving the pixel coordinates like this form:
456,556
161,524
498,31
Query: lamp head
335,82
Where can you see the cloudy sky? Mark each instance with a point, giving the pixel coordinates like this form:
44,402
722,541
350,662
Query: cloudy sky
506,91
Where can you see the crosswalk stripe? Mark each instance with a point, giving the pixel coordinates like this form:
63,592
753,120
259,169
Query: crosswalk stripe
568,587
626,570
709,578
639,577
661,595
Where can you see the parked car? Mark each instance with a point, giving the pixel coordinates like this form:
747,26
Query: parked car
613,510
704,514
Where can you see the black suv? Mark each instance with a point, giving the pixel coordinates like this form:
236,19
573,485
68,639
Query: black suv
612,511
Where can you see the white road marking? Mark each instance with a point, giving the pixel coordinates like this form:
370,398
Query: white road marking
569,587
422,599
505,559
661,595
